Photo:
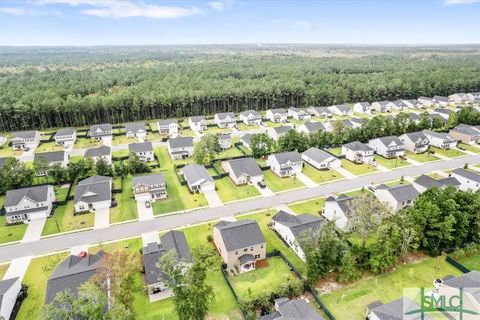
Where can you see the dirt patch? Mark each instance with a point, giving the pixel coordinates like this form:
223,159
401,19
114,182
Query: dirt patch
261,264
328,284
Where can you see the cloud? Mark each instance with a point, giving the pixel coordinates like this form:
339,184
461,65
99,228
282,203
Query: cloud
15,11
279,21
304,24
453,2
216,5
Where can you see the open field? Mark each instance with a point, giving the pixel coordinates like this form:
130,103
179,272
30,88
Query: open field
357,169
276,184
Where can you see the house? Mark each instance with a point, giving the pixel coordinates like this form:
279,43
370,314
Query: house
292,309
168,127
143,150
52,158
101,132
25,140
311,127
440,139
444,112
65,137
416,142
243,171
381,106
150,187
103,152
469,180
352,123
93,193
414,118
473,97
322,112
225,120
321,159
246,141
251,117
198,179
25,204
155,278
198,123
224,140
465,133
72,273
398,105
362,107
396,197
426,101
180,147
240,244
290,227
299,113
357,152
338,210
9,291
459,98
413,103
466,288
136,130
441,101
285,164
424,182
387,147
277,132
3,139
276,115
341,110
437,117
395,310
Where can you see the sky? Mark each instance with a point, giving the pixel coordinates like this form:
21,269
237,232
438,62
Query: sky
149,22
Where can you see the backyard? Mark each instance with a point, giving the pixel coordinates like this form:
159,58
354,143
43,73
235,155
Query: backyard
449,153
86,143
64,220
391,163
228,191
357,169
276,184
469,257
421,157
321,176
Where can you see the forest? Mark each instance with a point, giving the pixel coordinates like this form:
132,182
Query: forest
59,87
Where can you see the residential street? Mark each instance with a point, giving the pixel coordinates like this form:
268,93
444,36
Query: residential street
66,241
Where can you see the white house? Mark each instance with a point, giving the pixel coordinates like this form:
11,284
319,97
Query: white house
321,159
362,107
65,136
473,97
198,123
3,139
243,171
396,197
251,117
143,150
416,142
103,152
290,227
9,291
424,182
357,152
341,110
136,130
224,140
387,147
311,127
101,132
285,164
150,187
469,180
322,112
381,106
225,120
25,204
92,194
426,101
25,140
444,112
338,210
198,179
277,115
398,105
465,133
246,141
168,127
440,139
413,103
52,158
180,147
459,98
441,101
299,113
276,132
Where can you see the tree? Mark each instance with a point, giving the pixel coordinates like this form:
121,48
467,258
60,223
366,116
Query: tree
58,173
41,166
261,145
206,149
102,168
81,169
292,141
348,271
15,174
135,166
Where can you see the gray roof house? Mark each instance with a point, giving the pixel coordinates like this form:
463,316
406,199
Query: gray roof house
311,127
93,193
396,197
100,130
29,203
225,120
9,291
65,136
149,187
320,159
362,107
143,150
155,278
168,127
338,210
470,284
416,142
197,123
224,140
246,140
321,112
469,180
285,164
23,140
277,132
394,310
276,115
72,273
358,152
198,179
341,109
250,117
243,170
52,158
103,152
136,130
424,182
286,309
465,133
388,147
180,147
440,139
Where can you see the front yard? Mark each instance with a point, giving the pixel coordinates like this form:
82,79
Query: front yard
321,176
449,153
86,143
228,191
472,148
358,169
313,207
276,184
63,220
391,163
11,233
48,147
421,157
126,208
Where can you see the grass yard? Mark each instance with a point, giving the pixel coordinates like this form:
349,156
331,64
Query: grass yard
187,133
215,130
36,279
469,258
3,269
229,153
228,191
61,192
396,183
117,140
63,220
391,163
357,169
276,184
450,153
120,153
271,124
86,143
7,151
11,233
312,206
321,176
350,302
421,157
472,148
356,192
244,150
48,146
336,151
242,126
262,280
126,208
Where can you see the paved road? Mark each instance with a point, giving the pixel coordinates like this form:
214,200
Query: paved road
67,241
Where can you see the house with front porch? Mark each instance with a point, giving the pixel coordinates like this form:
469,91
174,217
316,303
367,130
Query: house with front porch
440,140
101,132
416,142
387,147
465,133
251,117
225,120
357,152
25,140
198,179
143,150
277,115
149,187
136,130
25,204
243,171
65,137
299,113
168,127
180,147
285,164
92,194
321,159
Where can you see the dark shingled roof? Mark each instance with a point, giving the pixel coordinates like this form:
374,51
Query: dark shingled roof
284,157
387,141
299,223
140,147
282,129
440,135
417,137
197,118
428,182
292,310
64,132
54,156
466,129
149,179
245,166
357,146
401,193
24,134
180,142
166,122
103,127
36,194
5,285
93,189
240,234
98,152
314,126
470,282
395,310
224,115
467,174
196,173
135,127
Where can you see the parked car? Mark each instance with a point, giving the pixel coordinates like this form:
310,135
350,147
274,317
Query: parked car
261,184
462,148
374,164
403,157
147,204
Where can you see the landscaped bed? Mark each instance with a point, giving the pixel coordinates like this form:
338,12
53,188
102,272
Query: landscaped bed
276,184
357,169
391,163
421,157
228,191
64,220
450,153
321,176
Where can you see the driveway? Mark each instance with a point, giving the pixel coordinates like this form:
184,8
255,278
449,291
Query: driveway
149,237
34,230
17,268
213,199
265,192
102,218
306,180
144,213
344,172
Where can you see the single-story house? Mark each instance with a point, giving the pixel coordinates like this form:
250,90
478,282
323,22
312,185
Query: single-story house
198,123
338,210
150,187
9,291
341,110
322,112
180,147
362,107
225,140
424,182
101,132
251,117
299,113
292,309
246,141
465,133
416,142
321,159
381,106
243,170
357,152
387,147
277,115
277,132
311,127
65,136
52,158
396,197
240,244
225,120
285,164
198,179
168,127
25,204
440,140
93,193
469,180
143,150
103,152
25,140
136,130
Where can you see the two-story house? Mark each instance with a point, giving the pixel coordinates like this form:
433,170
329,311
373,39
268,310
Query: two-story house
440,140
50,159
426,101
465,133
321,159
103,152
251,117
396,197
458,98
150,187
65,137
25,204
180,147
243,171
92,194
276,132
311,127
381,106
415,142
285,164
322,112
277,115
387,147
469,180
441,101
357,152
168,127
136,130
101,132
143,150
398,105
198,123
25,140
362,107
424,182
224,140
225,120
413,103
341,110
338,210
299,113
292,309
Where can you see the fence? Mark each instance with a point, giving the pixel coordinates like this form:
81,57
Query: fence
457,265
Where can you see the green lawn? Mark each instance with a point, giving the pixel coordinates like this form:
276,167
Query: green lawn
391,163
470,259
271,124
450,153
86,143
321,176
472,148
48,146
336,151
215,130
262,280
312,206
350,302
11,233
242,126
231,152
133,244
276,184
63,220
396,183
36,279
120,153
61,192
357,169
123,140
3,269
228,191
421,157
187,133
7,151
126,208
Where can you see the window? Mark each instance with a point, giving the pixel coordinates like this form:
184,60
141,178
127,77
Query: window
245,250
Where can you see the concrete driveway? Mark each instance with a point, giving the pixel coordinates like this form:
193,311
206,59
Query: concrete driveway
213,199
265,192
149,237
144,213
34,230
306,180
17,268
344,172
102,218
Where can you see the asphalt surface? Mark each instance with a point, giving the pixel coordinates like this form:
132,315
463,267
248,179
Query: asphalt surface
116,232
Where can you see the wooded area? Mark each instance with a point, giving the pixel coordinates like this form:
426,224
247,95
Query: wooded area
58,87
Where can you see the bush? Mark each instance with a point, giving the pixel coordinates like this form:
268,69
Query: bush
209,238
